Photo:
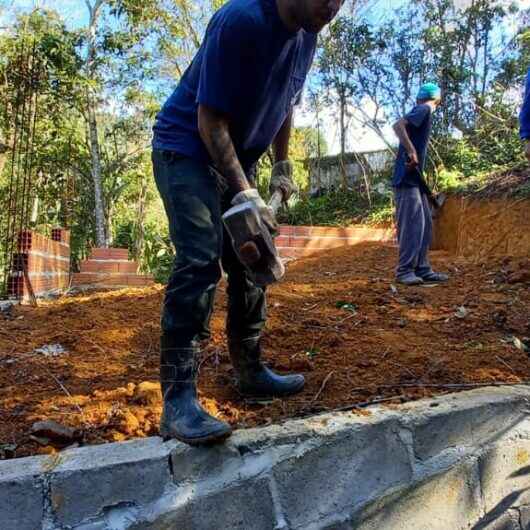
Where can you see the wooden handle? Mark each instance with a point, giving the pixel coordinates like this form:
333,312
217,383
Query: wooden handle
276,201
249,253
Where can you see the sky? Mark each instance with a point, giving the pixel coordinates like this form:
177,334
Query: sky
75,14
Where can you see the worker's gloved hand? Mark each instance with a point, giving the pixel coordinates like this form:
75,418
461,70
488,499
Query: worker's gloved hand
266,214
282,179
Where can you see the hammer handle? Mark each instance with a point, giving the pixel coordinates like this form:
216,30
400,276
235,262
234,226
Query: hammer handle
276,201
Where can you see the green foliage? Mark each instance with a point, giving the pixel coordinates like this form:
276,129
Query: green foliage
340,208
305,143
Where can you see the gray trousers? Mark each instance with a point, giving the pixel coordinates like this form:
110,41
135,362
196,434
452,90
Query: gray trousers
414,230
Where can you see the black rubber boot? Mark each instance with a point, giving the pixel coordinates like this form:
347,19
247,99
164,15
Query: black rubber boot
183,417
254,378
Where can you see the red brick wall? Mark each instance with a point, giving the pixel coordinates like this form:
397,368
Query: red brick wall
110,268
47,261
299,241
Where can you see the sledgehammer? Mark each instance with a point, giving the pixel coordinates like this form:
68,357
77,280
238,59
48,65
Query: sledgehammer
252,241
249,252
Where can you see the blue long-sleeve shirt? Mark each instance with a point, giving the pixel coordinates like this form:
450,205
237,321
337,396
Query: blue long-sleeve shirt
524,117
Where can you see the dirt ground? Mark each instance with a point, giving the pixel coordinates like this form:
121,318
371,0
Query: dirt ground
338,318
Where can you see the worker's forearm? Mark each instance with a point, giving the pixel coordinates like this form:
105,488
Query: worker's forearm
215,134
403,137
280,146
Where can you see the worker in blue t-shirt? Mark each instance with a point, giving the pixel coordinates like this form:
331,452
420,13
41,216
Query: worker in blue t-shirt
524,117
413,197
233,102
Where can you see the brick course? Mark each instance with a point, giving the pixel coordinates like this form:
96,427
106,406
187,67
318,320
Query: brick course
110,267
47,261
300,241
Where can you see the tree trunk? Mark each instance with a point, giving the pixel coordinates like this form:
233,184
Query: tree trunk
3,158
343,140
140,232
109,236
99,206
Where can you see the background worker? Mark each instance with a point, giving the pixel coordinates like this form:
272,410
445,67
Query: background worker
412,195
232,103
524,117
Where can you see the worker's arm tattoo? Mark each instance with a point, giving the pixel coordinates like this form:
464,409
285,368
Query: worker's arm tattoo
215,133
280,146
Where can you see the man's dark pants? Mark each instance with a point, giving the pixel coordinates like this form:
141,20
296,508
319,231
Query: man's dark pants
194,202
414,228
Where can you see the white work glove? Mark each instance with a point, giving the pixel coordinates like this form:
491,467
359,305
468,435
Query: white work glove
266,214
282,179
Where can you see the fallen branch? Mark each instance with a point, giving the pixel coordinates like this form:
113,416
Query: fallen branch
500,359
324,383
66,391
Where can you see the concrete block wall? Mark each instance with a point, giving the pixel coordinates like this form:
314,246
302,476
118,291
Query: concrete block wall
300,241
450,463
110,268
47,260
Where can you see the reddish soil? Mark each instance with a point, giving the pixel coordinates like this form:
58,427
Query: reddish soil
336,317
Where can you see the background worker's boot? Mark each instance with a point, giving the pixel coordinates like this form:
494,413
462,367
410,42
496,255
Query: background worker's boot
254,378
183,417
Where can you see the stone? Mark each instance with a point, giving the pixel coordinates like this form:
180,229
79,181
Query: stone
448,500
86,481
21,493
325,480
147,393
54,433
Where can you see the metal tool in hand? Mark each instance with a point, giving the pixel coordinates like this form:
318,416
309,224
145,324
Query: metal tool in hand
253,242
437,201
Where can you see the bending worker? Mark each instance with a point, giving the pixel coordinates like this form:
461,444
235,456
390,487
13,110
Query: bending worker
524,117
413,196
233,102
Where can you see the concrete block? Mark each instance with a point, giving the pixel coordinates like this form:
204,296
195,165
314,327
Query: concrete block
505,475
507,520
340,472
524,519
193,464
243,506
88,480
21,494
93,525
449,500
475,418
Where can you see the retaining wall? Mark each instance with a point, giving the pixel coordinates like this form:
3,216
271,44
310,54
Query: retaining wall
299,241
110,268
483,227
449,463
47,261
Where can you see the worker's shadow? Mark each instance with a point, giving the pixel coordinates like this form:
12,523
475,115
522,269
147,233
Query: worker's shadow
496,517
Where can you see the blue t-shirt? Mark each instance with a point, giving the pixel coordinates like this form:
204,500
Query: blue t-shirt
419,126
524,117
249,67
